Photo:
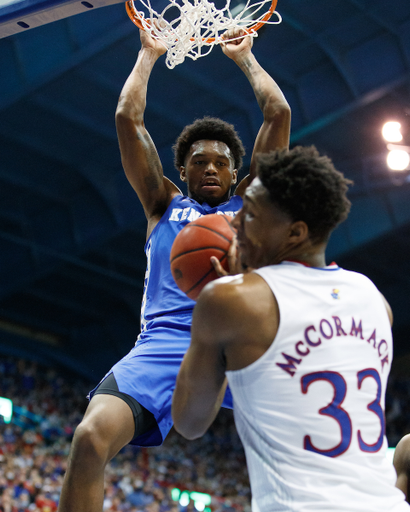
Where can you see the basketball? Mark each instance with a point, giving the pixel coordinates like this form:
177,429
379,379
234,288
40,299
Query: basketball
191,267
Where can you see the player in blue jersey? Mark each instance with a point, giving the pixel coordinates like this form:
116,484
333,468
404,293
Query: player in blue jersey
132,404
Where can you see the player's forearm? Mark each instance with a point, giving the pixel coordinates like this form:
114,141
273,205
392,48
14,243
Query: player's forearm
270,98
275,130
133,97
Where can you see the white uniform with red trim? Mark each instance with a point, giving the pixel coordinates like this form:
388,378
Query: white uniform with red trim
310,411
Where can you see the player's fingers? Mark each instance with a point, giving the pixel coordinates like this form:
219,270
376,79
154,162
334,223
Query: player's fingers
234,32
218,267
233,260
149,41
232,252
234,35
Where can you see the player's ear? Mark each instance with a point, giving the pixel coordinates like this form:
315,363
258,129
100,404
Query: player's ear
182,174
299,232
234,176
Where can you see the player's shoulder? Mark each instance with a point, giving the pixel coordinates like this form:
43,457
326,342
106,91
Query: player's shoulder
356,277
236,294
239,283
222,289
240,308
403,445
401,458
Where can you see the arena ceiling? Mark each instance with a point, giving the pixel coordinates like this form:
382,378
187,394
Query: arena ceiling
72,231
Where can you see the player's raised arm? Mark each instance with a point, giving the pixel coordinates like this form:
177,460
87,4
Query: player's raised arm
275,130
139,156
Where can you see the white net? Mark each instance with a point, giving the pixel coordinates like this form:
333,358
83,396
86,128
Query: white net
199,25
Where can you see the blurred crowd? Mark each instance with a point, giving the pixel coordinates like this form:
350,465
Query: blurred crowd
34,448
48,406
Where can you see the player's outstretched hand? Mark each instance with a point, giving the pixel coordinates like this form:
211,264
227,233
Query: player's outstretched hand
233,261
149,42
239,47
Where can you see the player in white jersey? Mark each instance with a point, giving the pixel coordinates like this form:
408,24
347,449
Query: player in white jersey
306,348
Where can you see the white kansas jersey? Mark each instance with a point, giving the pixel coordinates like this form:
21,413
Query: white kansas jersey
310,411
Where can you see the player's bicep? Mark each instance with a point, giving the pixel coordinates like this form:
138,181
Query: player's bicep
143,167
273,134
201,382
198,394
204,365
204,368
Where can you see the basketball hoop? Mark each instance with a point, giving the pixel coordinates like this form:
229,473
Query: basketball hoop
199,25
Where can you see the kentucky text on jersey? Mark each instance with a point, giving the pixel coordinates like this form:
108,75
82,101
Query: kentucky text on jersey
326,330
162,300
190,214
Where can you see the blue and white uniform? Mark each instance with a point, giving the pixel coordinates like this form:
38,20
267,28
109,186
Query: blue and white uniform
310,410
148,372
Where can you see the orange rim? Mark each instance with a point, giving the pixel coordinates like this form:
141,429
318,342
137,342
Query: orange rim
136,18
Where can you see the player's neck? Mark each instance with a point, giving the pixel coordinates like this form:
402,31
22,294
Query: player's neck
315,257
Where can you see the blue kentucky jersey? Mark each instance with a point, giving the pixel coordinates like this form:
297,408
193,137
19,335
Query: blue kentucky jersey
161,294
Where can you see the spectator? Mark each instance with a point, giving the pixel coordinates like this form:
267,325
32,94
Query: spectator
33,459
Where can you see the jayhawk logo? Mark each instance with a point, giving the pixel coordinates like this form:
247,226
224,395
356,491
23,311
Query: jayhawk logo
335,293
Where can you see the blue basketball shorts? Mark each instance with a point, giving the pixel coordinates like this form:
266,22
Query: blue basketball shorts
148,372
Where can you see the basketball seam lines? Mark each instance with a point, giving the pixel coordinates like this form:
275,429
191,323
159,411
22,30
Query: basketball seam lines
199,249
204,276
229,223
211,229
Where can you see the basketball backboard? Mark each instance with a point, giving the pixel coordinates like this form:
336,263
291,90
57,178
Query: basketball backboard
20,15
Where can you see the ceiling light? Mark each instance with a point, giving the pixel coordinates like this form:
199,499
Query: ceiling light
391,131
398,160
